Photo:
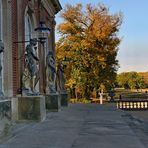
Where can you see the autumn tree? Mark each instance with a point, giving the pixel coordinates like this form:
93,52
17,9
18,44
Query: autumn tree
89,44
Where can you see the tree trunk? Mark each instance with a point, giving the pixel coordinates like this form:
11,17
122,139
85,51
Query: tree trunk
72,93
88,92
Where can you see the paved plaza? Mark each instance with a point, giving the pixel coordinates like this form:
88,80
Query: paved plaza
82,126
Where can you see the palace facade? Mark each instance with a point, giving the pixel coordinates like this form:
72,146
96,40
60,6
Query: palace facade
19,22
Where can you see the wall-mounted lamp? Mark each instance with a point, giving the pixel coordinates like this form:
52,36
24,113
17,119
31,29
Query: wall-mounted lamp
42,32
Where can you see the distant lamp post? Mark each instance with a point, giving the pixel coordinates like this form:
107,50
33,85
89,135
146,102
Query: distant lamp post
42,31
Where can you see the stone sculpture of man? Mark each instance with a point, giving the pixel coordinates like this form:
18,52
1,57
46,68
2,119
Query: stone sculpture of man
51,72
1,51
31,61
60,75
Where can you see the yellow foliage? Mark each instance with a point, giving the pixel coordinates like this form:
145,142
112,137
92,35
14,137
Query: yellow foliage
89,41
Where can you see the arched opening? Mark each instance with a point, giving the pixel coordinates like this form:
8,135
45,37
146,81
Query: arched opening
29,22
29,25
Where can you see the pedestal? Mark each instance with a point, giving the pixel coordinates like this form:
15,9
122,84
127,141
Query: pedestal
5,119
64,98
28,108
53,102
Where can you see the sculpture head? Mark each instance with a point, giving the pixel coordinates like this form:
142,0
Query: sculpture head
33,41
60,66
50,53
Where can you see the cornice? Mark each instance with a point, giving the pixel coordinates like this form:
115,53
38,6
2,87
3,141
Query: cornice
51,6
57,5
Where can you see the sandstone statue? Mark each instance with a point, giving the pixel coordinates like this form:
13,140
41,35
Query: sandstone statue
31,70
51,72
60,77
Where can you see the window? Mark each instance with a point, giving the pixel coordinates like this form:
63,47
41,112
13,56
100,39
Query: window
28,27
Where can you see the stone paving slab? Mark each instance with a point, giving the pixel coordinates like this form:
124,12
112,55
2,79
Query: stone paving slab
80,126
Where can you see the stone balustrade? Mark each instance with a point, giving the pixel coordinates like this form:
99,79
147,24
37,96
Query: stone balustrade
133,104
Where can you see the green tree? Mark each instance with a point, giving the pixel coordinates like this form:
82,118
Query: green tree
89,43
131,80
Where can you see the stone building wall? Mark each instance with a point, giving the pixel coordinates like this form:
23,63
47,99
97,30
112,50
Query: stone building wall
14,39
7,40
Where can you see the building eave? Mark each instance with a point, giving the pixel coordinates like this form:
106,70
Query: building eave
57,5
52,6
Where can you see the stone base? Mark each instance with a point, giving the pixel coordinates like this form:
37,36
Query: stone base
28,108
53,102
64,98
5,119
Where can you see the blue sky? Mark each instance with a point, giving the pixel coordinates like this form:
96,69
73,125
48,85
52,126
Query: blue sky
133,50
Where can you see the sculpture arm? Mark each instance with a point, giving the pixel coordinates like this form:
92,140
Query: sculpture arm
34,56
